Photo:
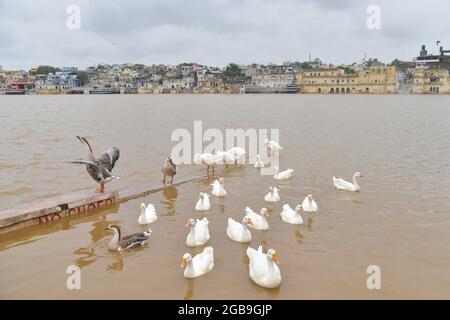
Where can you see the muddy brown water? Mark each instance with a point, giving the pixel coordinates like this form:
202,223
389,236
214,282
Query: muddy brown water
399,221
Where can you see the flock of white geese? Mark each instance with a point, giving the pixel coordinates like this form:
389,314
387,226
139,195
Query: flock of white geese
263,266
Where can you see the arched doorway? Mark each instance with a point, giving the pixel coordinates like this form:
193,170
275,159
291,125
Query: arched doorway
337,90
348,90
332,90
320,90
367,90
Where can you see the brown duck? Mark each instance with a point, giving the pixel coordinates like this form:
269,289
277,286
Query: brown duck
130,241
99,168
169,169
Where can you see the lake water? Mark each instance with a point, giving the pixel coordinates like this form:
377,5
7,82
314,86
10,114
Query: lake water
400,221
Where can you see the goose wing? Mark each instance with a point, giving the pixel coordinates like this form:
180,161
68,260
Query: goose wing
96,171
108,158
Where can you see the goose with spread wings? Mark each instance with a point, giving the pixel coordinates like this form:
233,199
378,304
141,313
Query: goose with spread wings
99,168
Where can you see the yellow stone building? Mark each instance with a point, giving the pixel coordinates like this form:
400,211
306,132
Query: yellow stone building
431,80
335,80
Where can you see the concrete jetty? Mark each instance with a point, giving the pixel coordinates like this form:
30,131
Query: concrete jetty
67,205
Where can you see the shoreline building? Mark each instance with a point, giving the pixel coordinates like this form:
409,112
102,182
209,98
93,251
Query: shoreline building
431,75
431,80
332,80
272,79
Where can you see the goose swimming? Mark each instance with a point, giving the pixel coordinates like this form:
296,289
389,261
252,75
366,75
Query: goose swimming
199,232
291,216
272,195
168,169
273,146
309,205
239,232
120,243
259,221
218,189
263,268
203,203
199,265
341,184
99,168
258,164
286,174
148,214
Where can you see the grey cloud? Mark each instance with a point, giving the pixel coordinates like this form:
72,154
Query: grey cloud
215,32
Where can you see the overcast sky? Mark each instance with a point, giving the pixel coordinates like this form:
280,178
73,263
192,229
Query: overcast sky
216,32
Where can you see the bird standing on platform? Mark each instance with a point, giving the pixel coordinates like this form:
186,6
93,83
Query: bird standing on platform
99,168
169,169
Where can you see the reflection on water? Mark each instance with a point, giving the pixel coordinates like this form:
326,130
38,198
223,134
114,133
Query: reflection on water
170,195
190,289
116,265
310,220
298,236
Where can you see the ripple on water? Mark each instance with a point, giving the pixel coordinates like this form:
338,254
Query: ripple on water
17,191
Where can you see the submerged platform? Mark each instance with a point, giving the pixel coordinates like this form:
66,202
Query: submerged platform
67,205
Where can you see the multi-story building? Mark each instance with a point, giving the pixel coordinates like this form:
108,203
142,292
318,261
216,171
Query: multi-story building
273,80
336,80
431,80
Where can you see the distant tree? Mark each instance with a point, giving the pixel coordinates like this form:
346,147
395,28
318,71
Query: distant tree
305,66
347,70
82,77
232,70
46,69
395,62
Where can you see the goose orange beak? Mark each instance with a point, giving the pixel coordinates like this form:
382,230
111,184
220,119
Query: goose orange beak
183,263
188,224
250,222
276,258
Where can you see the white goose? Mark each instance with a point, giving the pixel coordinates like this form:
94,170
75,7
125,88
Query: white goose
239,232
199,265
238,153
218,189
259,221
258,164
203,203
199,232
286,174
148,214
226,157
291,216
273,146
263,268
207,159
272,195
309,205
341,184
